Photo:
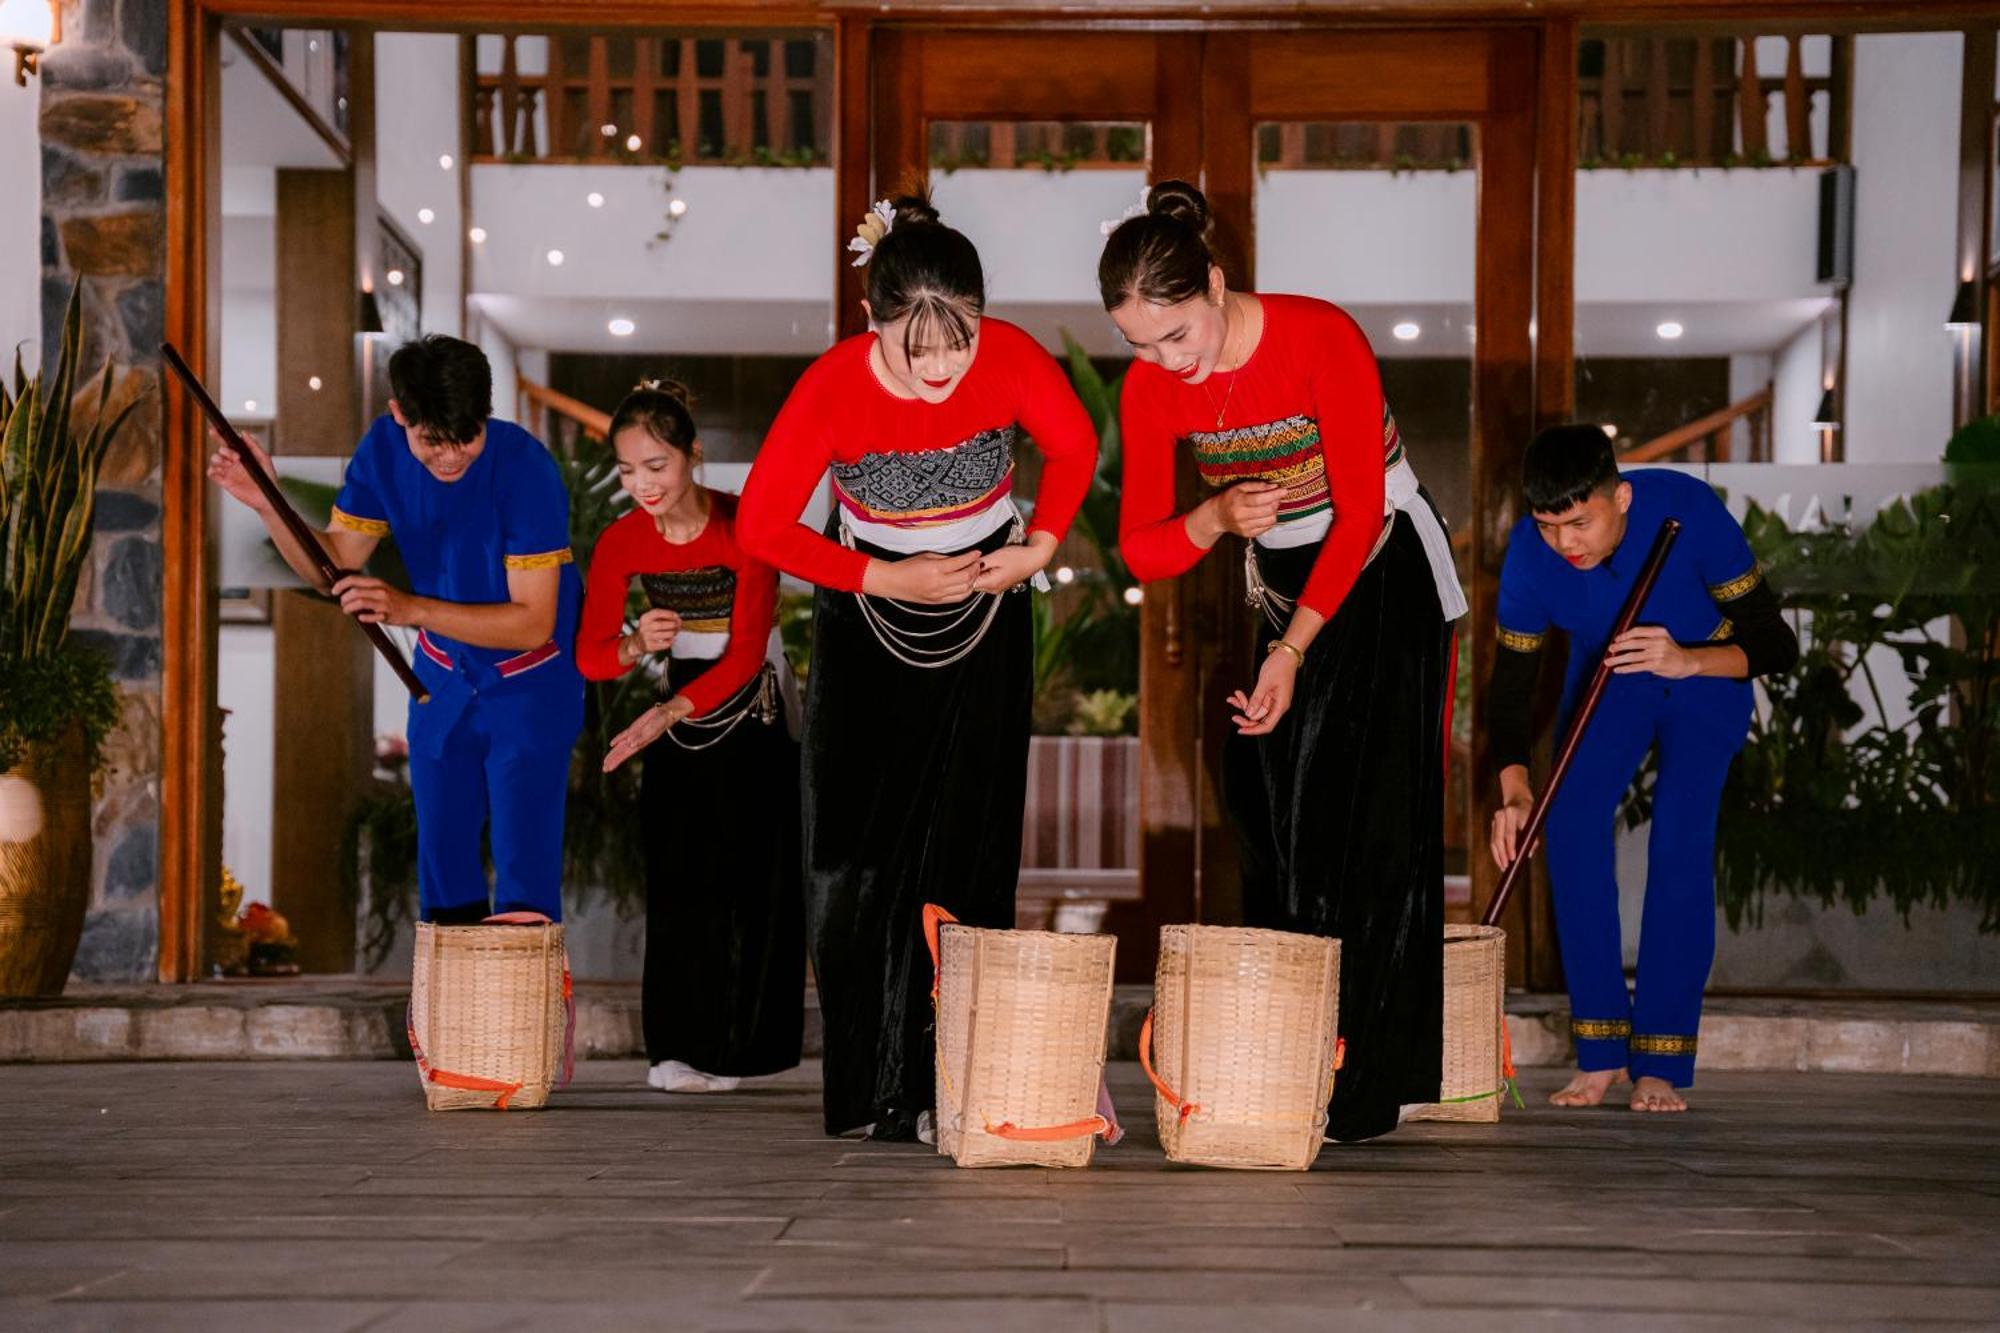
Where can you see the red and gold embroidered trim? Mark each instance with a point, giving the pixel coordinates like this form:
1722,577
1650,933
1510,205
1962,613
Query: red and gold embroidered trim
1651,1044
1600,1029
367,527
544,560
1518,642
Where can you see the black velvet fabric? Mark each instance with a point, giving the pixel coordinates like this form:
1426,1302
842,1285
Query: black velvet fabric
914,783
724,986
1340,817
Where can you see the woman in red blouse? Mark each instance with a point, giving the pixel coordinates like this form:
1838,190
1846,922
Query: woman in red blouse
916,733
723,996
1336,783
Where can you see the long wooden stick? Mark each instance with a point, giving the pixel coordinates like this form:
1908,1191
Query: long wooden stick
1628,615
301,532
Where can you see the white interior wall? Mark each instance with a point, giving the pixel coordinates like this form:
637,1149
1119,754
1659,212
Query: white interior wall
246,684
418,101
1906,93
1798,382
21,226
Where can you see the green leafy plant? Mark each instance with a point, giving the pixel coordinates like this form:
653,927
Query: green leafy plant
1832,799
48,499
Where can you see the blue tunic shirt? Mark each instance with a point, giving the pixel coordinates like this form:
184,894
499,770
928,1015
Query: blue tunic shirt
458,540
1710,563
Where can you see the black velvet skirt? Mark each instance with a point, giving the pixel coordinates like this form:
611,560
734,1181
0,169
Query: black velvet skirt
914,783
1339,813
724,986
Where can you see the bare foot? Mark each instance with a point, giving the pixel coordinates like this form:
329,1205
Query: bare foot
1587,1088
1656,1094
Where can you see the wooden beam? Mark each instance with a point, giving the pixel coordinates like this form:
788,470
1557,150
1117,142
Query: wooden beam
852,176
318,273
1331,76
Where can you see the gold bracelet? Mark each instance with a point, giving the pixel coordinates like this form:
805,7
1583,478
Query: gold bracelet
1289,647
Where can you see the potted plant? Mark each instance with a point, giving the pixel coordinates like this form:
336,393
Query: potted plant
57,702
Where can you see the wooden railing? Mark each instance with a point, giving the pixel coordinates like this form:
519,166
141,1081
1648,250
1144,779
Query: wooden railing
1711,439
1659,99
543,411
747,99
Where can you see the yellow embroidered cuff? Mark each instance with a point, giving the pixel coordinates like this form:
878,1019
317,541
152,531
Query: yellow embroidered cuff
1600,1029
1722,631
543,560
1519,642
367,527
1736,587
1649,1044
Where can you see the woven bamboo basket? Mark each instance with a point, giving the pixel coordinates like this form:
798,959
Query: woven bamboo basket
1242,1045
1476,1068
1021,1023
491,1015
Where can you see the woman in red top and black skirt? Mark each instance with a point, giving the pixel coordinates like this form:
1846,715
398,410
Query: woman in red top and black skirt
917,706
724,989
1335,778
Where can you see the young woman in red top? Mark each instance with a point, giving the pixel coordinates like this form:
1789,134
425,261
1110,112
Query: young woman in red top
917,706
725,952
1336,783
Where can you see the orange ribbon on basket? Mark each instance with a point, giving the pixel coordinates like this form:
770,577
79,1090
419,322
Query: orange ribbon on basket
935,917
1186,1108
445,1078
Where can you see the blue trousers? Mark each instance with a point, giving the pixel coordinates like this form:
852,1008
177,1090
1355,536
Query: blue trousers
485,772
1698,725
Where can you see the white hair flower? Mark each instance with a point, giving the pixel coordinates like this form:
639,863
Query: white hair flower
876,223
1109,225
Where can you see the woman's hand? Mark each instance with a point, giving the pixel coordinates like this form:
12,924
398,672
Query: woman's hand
1650,648
934,580
1269,700
226,470
648,727
1511,819
373,602
1248,509
655,633
1011,566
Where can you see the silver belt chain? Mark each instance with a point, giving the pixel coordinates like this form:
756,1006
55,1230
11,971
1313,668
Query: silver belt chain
1277,607
758,696
906,645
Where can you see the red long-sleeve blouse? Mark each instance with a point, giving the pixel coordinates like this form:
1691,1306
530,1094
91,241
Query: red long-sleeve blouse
911,464
710,580
1304,411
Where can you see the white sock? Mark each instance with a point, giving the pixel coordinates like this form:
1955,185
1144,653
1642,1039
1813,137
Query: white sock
927,1128
674,1076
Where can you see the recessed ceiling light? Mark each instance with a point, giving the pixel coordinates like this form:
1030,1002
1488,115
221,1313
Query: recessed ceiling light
1670,330
313,383
444,161
312,43
1610,429
621,327
594,199
633,143
1064,574
608,130
1134,596
249,404
677,208
555,258
395,277
476,235
1406,331
425,216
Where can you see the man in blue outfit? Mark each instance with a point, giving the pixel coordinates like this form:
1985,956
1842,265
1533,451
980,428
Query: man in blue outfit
1681,683
480,516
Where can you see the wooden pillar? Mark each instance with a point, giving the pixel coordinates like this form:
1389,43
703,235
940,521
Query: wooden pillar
851,164
1975,192
318,275
1505,397
322,754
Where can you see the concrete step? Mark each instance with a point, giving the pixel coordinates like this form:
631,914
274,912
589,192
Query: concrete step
346,1019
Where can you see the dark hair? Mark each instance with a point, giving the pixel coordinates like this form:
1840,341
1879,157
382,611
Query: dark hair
929,272
442,385
1565,465
663,408
1160,255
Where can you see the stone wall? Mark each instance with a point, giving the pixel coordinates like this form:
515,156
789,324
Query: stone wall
104,221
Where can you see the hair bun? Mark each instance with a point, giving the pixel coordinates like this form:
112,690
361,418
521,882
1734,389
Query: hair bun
673,389
915,210
1181,201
